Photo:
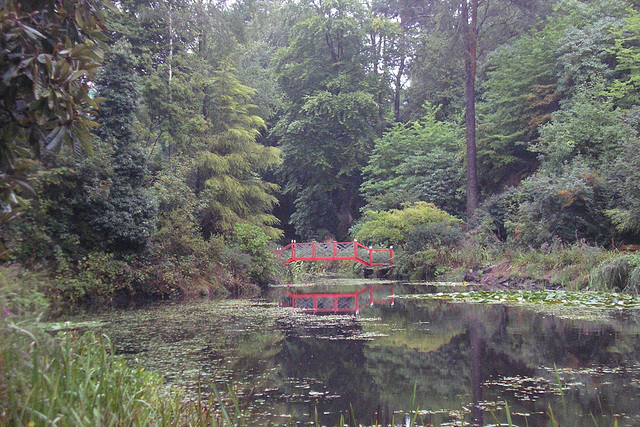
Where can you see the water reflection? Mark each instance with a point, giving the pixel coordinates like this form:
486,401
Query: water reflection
322,302
462,359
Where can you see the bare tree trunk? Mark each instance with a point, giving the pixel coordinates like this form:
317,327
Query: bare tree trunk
470,28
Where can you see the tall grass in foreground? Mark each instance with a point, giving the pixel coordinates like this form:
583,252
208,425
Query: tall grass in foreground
77,380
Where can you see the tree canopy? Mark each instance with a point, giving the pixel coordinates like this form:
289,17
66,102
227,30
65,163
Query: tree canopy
296,120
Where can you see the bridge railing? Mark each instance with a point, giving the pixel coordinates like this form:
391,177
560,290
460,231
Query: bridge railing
332,251
337,302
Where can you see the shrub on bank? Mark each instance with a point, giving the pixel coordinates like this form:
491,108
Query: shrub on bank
400,226
421,234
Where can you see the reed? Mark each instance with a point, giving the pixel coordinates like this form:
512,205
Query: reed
74,379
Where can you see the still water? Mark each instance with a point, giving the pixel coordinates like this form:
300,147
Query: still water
452,363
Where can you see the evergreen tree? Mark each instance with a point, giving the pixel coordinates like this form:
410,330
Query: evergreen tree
227,176
127,218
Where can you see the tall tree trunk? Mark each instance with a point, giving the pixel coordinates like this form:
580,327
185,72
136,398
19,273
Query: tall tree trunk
170,45
470,28
398,82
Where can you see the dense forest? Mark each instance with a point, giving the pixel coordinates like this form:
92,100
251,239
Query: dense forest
155,149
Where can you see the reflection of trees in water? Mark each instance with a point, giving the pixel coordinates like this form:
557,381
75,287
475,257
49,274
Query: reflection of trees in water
495,341
256,353
441,377
337,364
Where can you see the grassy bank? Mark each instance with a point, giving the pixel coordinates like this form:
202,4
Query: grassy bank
576,266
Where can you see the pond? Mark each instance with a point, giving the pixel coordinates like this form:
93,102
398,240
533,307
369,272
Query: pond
374,352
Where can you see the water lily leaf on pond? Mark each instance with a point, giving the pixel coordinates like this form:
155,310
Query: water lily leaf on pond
549,297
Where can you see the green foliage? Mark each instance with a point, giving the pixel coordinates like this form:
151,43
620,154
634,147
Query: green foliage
323,158
66,196
70,379
227,172
520,96
489,222
47,60
127,218
98,277
417,161
254,242
78,380
118,85
622,175
394,227
254,70
21,294
318,219
587,126
625,87
330,120
421,234
436,76
568,265
585,52
566,204
529,80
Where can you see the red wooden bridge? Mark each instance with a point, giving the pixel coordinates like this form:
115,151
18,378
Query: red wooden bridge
335,251
337,302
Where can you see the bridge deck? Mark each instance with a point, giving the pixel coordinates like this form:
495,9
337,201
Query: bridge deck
335,251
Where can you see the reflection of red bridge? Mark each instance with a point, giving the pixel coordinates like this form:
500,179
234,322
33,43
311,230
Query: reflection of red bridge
335,251
341,302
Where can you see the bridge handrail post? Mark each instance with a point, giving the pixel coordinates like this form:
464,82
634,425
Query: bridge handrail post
391,254
293,249
335,249
313,249
355,248
370,255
